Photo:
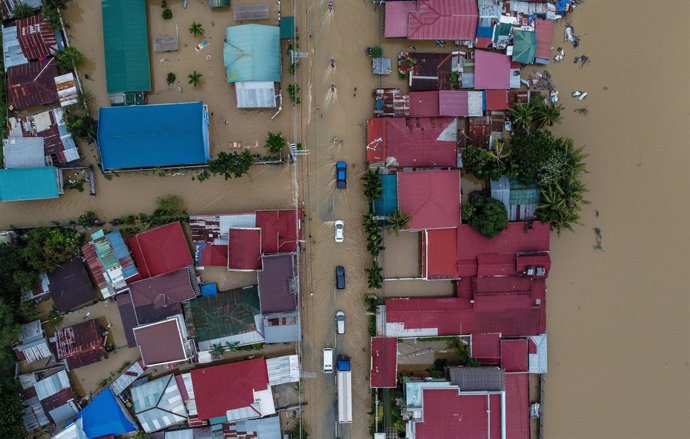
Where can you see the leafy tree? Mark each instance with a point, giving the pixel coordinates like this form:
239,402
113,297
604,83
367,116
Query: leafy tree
398,220
275,142
55,318
11,411
217,350
482,163
171,78
375,243
80,124
374,275
561,202
50,11
530,151
293,91
546,114
375,52
230,165
70,58
373,187
486,215
87,219
196,29
142,435
22,10
167,14
194,78
370,223
47,248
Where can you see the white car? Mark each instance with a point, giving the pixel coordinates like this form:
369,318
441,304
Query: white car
340,322
339,231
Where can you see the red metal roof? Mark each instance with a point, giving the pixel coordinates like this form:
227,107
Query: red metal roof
430,198
514,355
230,386
160,250
384,362
502,284
280,229
544,29
32,84
424,104
443,20
449,414
440,259
244,249
214,255
496,100
486,347
517,405
516,238
533,260
453,103
80,344
160,343
396,18
491,71
36,38
376,137
496,264
420,141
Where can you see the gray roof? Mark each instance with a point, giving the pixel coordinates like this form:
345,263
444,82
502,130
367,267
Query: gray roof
473,379
381,66
130,375
281,327
11,49
23,152
264,428
158,404
283,370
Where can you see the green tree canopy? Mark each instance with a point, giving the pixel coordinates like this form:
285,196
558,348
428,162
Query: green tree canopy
530,152
46,248
230,165
275,142
482,163
486,215
70,58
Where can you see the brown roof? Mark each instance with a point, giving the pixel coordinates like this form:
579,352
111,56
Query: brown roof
32,84
70,286
36,38
160,342
275,284
128,316
159,297
80,344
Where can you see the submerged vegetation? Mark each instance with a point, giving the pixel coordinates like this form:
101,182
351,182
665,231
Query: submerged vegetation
228,164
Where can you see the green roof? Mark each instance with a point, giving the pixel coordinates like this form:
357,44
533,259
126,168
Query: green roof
126,45
525,46
287,28
252,53
22,184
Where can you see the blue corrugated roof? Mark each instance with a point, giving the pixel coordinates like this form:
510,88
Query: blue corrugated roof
147,136
122,254
24,184
104,416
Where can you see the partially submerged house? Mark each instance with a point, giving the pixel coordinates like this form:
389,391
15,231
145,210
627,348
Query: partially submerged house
23,152
81,344
33,344
521,200
109,261
26,184
152,136
160,250
251,53
32,84
159,297
454,20
48,398
37,40
59,146
70,286
105,415
164,342
430,198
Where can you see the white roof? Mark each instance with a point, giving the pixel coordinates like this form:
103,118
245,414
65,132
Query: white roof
282,370
538,362
24,152
255,94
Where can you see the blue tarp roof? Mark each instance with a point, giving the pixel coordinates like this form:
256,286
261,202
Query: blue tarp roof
104,416
388,203
23,184
148,136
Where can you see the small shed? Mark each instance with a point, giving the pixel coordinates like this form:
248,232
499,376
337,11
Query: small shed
381,66
23,152
66,89
251,12
287,28
255,94
219,3
165,43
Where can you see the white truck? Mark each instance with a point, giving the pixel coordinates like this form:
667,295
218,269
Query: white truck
344,377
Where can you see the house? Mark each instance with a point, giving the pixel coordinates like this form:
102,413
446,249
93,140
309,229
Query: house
396,16
544,30
128,316
439,254
67,89
430,71
33,345
281,327
160,250
413,142
81,344
264,428
127,377
158,297
491,71
59,146
244,249
109,261
521,200
37,40
25,184
277,283
424,104
70,286
281,230
164,342
430,198
32,84
390,102
453,103
384,366
233,391
443,20
23,152
251,54
126,48
228,317
283,370
48,398
12,51
150,136
158,404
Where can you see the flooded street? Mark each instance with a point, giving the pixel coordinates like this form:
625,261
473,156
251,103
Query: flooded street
618,303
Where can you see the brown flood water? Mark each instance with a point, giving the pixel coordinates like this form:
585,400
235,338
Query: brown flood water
618,317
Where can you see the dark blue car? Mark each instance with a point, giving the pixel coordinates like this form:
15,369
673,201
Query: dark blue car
340,277
341,175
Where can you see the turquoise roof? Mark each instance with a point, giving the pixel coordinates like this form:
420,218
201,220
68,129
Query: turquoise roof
525,49
23,184
252,53
287,27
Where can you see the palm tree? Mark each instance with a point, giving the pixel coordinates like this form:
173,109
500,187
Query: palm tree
373,188
217,350
375,243
374,275
398,220
522,115
370,223
194,78
498,151
196,29
545,114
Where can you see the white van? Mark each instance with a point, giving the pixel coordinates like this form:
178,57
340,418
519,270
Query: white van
327,360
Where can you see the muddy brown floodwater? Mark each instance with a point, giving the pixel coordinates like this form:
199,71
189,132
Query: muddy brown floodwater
618,295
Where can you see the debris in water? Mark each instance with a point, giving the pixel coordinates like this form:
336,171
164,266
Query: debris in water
571,37
599,240
583,111
560,54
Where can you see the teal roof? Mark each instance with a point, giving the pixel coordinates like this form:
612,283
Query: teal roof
252,53
126,46
22,184
287,28
219,3
521,193
525,46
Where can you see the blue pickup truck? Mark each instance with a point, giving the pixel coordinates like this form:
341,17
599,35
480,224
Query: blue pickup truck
341,175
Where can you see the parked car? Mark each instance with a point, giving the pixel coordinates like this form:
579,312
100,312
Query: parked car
340,277
341,175
339,231
340,322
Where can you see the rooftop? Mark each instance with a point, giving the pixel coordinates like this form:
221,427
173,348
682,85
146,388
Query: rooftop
147,136
281,229
58,144
23,152
70,286
160,250
163,342
514,355
491,71
443,20
81,344
396,18
439,256
244,249
430,198
32,84
251,52
109,260
158,404
105,415
281,327
384,362
276,289
36,38
478,379
424,104
158,297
